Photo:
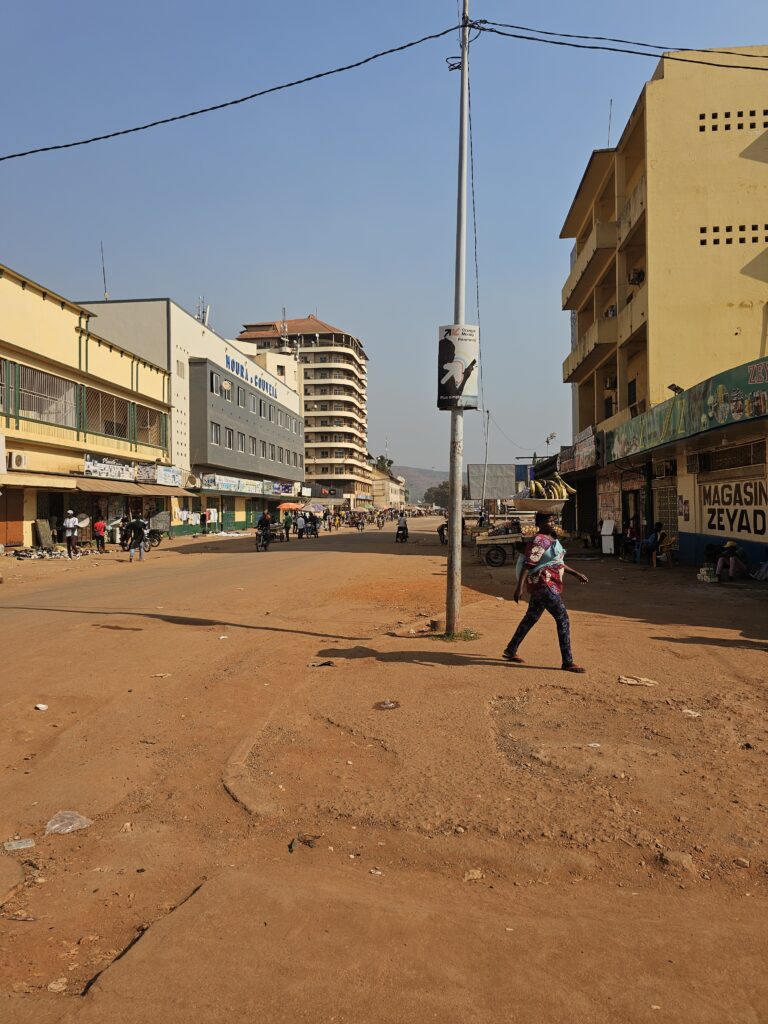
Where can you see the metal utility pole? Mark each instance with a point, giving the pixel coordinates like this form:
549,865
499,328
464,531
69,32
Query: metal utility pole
485,466
453,596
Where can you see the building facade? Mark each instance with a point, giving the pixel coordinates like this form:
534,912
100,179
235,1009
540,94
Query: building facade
389,491
333,383
217,390
668,273
84,423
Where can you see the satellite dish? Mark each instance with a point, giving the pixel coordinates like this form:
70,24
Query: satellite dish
83,521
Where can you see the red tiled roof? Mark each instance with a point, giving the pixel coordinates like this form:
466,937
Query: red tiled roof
273,328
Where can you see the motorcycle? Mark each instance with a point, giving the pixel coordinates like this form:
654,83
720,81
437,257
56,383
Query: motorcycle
401,536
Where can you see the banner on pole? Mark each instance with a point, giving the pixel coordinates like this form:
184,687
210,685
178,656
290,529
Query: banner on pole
458,357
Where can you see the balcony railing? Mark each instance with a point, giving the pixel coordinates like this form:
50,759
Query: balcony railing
591,349
590,263
634,315
632,211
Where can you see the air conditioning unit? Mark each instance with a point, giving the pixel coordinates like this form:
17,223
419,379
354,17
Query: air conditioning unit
17,460
193,481
610,384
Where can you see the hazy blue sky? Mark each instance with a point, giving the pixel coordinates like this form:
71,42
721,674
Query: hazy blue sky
336,196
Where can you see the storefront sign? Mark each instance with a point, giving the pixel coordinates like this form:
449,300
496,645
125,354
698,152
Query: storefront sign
108,469
566,462
214,482
585,450
167,476
733,396
735,508
458,356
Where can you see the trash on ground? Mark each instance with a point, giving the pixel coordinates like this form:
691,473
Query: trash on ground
223,638
41,707
375,871
163,675
293,845
18,844
473,875
19,915
58,986
386,705
741,862
320,664
593,744
64,822
307,840
691,714
637,681
127,827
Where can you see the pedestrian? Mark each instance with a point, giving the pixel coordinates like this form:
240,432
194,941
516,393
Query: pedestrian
99,529
542,568
71,526
137,528
301,525
287,524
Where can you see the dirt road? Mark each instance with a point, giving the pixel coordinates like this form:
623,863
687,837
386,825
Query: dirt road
504,844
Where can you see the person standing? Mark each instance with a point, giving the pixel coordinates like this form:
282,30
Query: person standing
301,525
99,529
287,524
542,570
136,530
70,534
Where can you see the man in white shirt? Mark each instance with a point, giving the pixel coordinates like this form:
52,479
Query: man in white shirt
70,534
301,525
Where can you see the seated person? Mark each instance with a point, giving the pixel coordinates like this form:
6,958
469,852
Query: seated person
732,556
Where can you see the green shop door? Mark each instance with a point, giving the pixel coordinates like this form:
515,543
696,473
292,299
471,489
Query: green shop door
227,513
252,512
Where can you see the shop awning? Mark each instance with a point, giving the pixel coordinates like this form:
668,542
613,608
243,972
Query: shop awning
53,483
158,491
95,485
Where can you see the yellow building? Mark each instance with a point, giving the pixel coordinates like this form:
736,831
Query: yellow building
389,491
669,269
83,424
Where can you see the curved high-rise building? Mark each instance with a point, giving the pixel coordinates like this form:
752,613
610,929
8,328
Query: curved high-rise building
333,384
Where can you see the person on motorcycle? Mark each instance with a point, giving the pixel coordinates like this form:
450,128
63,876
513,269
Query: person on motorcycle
136,531
402,528
264,526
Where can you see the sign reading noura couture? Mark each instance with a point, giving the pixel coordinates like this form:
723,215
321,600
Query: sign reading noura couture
458,358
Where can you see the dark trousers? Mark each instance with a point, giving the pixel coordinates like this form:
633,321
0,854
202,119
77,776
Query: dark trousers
545,600
287,532
71,546
99,538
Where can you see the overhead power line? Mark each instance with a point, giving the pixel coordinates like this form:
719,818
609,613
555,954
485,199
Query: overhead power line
234,103
613,39
487,26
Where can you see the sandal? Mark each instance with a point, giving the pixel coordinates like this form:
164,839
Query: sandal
572,668
514,658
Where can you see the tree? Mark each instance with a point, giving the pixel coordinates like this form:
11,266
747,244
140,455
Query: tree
383,464
440,495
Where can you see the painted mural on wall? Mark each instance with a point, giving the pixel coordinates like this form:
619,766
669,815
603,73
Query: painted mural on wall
733,396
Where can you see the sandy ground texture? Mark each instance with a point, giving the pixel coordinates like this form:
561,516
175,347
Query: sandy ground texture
305,807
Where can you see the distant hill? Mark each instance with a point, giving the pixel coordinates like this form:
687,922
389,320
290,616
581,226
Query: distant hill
419,480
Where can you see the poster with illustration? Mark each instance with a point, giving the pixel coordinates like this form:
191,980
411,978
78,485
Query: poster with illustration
457,366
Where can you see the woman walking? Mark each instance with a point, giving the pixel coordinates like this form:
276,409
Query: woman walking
542,571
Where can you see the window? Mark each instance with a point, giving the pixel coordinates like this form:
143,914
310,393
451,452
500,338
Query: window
241,442
301,461
280,370
632,392
226,390
279,453
263,449
215,384
49,399
240,397
279,417
253,404
229,438
295,459
271,414
262,408
252,446
295,426
181,370
272,452
215,433
301,429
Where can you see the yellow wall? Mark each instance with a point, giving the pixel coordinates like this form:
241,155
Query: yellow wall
706,303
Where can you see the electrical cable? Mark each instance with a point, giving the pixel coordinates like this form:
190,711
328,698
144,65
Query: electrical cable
486,27
522,448
613,39
233,103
